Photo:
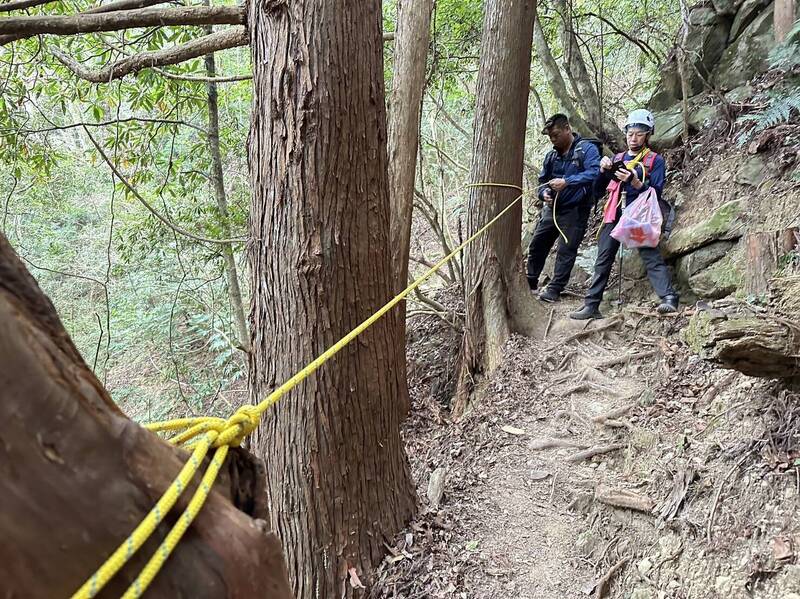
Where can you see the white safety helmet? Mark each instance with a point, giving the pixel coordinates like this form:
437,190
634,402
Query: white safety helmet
641,118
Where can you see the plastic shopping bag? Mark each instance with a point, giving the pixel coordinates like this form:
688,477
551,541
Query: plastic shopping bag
640,224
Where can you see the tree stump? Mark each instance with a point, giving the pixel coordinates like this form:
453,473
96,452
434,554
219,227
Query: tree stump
77,476
764,251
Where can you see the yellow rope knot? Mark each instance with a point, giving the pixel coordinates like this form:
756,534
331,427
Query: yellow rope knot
244,421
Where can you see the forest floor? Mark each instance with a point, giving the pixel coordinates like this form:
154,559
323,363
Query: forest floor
694,491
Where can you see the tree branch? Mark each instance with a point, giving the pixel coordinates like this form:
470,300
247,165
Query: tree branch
22,4
646,48
201,78
124,19
147,204
110,7
123,5
107,123
229,38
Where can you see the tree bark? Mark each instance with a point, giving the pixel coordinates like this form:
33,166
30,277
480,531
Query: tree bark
338,480
496,297
575,67
78,476
218,182
784,18
764,250
408,86
22,5
684,77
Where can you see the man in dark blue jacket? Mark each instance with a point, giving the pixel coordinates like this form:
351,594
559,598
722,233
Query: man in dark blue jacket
568,174
646,169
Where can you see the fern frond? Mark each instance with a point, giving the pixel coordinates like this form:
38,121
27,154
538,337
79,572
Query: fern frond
787,55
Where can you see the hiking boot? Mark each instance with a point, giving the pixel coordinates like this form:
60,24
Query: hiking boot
586,313
549,295
668,305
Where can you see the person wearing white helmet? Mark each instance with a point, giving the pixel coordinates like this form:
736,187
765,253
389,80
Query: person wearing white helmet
643,169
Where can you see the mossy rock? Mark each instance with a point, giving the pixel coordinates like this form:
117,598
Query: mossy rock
726,223
718,280
746,14
746,56
691,264
752,171
697,332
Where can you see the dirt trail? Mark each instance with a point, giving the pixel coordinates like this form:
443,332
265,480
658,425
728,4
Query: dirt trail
518,521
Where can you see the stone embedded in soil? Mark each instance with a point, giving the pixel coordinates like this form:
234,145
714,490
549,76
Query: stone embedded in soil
645,566
436,487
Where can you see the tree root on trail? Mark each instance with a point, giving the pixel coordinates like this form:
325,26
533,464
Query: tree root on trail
602,584
594,451
713,511
718,387
587,332
563,364
588,386
625,359
613,414
549,324
623,499
550,443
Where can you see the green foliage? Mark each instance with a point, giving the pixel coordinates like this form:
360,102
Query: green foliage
782,100
132,294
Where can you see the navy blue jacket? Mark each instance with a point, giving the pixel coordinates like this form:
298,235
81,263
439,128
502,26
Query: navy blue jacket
579,174
655,178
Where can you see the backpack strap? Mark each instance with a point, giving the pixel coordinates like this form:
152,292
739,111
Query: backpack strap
649,160
579,152
547,166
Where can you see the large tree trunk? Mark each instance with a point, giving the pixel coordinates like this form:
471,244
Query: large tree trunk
218,182
408,86
337,477
784,18
497,299
78,476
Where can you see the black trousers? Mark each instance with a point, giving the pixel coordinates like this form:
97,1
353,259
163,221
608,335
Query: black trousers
572,222
607,248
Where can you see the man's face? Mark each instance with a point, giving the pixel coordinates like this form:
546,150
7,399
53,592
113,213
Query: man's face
636,138
561,138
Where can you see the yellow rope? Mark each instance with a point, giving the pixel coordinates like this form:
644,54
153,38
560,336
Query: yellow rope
555,222
205,432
